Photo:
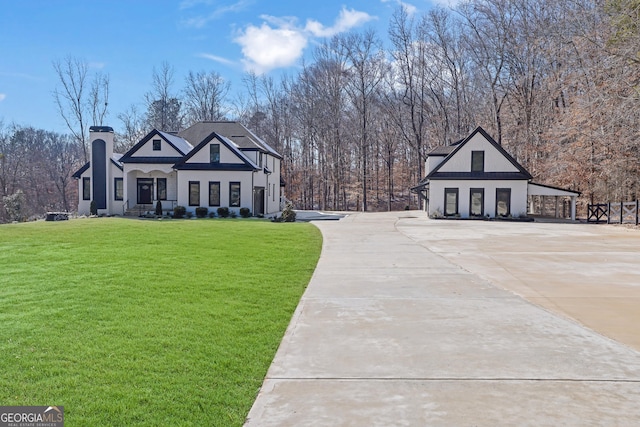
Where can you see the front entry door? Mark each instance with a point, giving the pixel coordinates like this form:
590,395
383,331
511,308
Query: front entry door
145,191
258,201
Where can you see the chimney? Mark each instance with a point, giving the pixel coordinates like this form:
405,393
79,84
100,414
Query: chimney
101,142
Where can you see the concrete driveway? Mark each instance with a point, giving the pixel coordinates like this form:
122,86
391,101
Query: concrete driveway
412,322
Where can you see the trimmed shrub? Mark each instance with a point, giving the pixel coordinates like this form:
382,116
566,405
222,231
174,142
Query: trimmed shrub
93,208
245,212
288,214
212,214
179,211
233,214
201,212
159,208
223,212
189,214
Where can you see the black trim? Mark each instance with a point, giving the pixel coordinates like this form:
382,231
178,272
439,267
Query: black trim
455,191
99,172
214,167
118,165
169,160
480,175
474,155
521,170
86,188
231,184
191,202
219,196
101,129
158,195
556,188
129,154
182,164
508,191
115,189
476,190
79,172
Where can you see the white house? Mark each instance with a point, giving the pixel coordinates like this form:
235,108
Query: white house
210,164
476,177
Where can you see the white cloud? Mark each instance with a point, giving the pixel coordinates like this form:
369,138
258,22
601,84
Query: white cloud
215,58
348,19
2,96
280,42
96,65
409,8
265,48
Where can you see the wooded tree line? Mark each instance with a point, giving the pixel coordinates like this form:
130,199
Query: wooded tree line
556,82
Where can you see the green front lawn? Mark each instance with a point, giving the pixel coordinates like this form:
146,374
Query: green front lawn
127,322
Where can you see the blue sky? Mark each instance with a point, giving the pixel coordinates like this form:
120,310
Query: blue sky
127,39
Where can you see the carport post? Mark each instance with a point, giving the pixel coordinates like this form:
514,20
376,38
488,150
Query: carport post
573,207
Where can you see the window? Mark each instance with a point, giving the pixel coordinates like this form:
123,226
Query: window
259,159
503,201
476,202
450,201
156,145
477,161
86,188
194,193
234,194
214,193
214,153
162,189
118,189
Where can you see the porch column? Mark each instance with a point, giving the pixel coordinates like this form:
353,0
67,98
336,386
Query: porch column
573,208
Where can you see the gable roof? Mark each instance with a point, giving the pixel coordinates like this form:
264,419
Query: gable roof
115,159
179,144
522,173
246,164
236,132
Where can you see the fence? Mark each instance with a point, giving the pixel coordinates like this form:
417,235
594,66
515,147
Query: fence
614,213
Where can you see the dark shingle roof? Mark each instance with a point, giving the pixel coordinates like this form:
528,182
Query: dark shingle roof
242,137
443,150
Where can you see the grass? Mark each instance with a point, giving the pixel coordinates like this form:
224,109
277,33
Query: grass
127,322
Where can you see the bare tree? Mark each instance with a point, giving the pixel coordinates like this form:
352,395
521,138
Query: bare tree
164,108
205,96
77,102
134,129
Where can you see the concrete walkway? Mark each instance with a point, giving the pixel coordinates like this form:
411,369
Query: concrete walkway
392,333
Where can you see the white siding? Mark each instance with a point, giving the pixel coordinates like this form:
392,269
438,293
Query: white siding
226,155
224,177
166,150
494,161
518,195
432,163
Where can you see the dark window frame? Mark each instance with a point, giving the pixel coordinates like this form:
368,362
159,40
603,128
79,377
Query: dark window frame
231,191
157,145
508,192
115,188
159,195
211,184
455,191
214,150
86,188
191,200
471,192
477,161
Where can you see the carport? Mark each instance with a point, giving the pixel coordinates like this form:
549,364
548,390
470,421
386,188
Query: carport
538,195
